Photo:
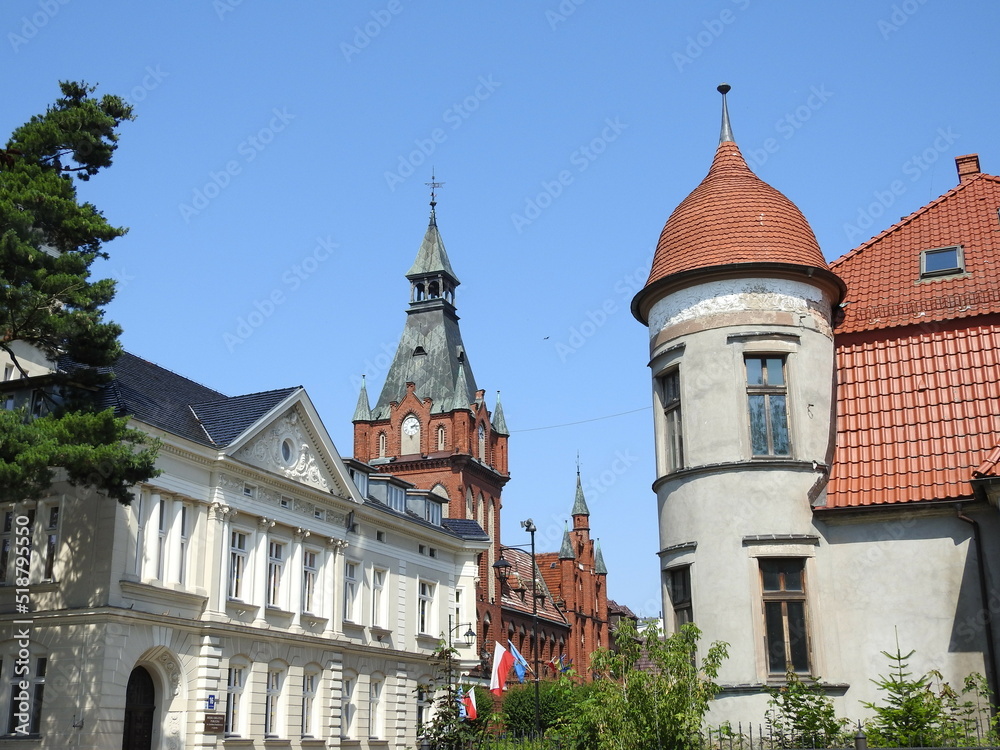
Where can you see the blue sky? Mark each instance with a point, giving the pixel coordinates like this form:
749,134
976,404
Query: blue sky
274,184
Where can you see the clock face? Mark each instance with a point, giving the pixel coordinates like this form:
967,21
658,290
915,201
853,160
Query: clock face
411,425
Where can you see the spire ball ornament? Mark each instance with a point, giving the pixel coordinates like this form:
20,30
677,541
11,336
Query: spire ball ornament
723,88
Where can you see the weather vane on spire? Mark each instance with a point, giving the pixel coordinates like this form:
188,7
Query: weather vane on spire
433,185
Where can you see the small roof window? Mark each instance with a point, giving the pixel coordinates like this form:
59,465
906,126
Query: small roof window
942,261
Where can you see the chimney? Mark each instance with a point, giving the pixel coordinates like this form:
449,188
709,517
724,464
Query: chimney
968,167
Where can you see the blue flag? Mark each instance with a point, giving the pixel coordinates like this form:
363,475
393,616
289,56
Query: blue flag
460,697
520,665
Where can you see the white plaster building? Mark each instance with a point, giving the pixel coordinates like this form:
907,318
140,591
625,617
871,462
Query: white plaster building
253,593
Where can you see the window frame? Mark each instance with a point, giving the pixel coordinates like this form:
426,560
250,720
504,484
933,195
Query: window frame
351,581
425,607
673,421
235,690
237,584
276,558
379,613
954,270
36,680
784,597
681,598
273,683
768,391
311,588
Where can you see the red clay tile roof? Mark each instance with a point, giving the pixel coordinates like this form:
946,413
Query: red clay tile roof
917,360
733,217
520,577
883,275
916,413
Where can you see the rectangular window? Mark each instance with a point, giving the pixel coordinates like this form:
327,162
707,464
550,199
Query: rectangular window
433,511
182,545
378,598
51,544
679,587
237,564
310,574
161,539
350,591
670,385
234,698
783,584
397,498
767,394
5,544
23,719
347,707
139,507
309,680
272,701
425,608
275,568
375,709
942,261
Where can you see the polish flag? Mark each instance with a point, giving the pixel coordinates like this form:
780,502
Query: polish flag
470,703
503,661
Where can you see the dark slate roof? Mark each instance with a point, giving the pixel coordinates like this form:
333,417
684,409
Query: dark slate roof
160,398
465,528
224,421
599,567
431,257
579,502
499,423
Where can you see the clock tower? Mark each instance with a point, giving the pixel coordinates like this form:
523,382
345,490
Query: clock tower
430,424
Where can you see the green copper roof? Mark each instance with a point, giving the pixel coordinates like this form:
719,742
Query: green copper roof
580,504
431,257
499,423
430,354
599,567
566,551
362,412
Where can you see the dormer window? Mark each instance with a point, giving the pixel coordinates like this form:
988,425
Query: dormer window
942,261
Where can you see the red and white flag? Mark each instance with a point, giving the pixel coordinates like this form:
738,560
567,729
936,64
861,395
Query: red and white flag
470,703
503,661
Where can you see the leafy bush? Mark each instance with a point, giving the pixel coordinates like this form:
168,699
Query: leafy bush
801,714
557,700
661,704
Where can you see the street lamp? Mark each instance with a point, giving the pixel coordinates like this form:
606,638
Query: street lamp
469,636
503,570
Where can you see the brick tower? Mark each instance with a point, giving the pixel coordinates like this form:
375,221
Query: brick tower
430,425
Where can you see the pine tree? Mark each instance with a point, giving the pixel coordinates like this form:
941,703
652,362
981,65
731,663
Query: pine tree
49,240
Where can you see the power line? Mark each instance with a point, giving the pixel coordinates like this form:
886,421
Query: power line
584,421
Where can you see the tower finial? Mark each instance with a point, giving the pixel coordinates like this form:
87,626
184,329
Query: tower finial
578,464
727,131
433,185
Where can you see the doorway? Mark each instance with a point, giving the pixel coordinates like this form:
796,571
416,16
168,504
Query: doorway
140,705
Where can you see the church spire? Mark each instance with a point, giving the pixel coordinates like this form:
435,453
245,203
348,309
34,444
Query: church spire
579,502
499,423
362,412
599,567
566,551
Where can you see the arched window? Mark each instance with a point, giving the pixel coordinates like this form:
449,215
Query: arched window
348,708
275,683
375,722
440,437
482,443
310,699
381,445
236,703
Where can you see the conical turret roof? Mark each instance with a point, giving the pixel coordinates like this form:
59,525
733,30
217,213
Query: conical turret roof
431,257
362,412
733,217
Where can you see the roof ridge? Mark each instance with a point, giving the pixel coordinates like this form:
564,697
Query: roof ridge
172,372
287,389
911,217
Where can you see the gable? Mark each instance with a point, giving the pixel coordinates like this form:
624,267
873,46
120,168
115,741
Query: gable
288,446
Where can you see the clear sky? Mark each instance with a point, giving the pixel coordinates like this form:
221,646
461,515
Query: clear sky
274,183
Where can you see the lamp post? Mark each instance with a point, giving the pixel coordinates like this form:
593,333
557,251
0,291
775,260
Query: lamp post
469,636
503,570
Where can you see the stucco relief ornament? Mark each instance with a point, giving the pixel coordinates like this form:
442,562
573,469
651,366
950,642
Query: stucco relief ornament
285,449
173,670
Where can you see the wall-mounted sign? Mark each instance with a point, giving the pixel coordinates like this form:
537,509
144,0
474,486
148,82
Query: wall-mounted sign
215,723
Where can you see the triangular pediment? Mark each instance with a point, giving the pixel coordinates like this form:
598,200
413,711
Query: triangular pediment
293,444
